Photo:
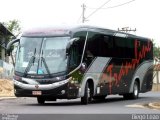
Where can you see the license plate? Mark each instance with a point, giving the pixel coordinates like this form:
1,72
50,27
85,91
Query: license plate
36,92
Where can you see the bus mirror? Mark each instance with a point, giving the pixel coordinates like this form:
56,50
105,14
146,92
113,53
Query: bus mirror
70,43
9,48
83,67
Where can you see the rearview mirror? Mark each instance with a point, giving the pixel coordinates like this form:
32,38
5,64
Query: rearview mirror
10,44
70,43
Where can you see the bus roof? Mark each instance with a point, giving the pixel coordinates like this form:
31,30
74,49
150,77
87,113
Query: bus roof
67,31
46,32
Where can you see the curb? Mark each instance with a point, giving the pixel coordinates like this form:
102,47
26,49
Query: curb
6,98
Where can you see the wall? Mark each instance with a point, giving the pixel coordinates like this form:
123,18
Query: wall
156,81
6,70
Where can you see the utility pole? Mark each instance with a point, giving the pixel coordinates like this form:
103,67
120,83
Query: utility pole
127,29
83,11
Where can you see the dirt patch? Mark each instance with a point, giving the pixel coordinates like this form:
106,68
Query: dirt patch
155,105
152,105
6,88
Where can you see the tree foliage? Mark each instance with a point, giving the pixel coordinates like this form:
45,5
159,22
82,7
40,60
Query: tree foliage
13,26
156,50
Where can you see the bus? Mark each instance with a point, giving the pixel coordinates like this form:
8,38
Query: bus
84,62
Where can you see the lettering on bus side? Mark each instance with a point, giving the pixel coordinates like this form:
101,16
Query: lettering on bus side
121,35
113,77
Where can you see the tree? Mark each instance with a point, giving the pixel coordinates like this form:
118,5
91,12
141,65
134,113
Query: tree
13,26
156,50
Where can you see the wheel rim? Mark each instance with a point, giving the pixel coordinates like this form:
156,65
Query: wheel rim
88,93
135,90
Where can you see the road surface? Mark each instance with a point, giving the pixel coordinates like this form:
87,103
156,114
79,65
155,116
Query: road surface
113,104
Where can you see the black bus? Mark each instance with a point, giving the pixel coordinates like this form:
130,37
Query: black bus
81,62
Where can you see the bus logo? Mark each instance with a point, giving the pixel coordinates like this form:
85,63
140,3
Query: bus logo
36,86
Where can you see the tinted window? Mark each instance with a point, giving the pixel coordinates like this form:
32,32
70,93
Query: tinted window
124,47
110,46
100,45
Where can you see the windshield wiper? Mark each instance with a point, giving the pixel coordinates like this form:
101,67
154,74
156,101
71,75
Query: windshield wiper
31,61
45,64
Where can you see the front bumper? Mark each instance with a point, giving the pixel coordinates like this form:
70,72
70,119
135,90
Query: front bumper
37,86
56,92
59,90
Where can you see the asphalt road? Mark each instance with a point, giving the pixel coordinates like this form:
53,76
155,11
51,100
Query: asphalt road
113,104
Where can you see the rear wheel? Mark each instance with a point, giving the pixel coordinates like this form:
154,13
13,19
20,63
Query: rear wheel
134,94
87,95
40,100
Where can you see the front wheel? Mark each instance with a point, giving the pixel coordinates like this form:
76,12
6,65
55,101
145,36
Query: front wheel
40,100
87,95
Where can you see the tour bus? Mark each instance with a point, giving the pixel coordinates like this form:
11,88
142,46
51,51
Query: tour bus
81,62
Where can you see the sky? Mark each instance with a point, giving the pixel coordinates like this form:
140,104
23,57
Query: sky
140,14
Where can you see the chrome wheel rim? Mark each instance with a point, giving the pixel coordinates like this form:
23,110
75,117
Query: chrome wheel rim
88,93
135,90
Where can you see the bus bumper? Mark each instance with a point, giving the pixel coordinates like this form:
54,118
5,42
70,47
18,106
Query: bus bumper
60,90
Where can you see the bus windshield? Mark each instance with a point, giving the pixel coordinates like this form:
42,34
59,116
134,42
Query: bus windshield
41,55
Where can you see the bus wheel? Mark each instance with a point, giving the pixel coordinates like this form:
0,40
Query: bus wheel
87,95
134,94
40,100
100,97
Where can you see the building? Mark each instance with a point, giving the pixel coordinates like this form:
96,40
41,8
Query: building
5,36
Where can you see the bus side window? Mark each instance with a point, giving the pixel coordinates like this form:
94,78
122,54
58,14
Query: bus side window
107,46
120,47
100,45
73,57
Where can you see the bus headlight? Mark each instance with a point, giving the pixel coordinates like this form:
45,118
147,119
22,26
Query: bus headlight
60,78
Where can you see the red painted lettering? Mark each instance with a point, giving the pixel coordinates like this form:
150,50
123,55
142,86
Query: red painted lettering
127,66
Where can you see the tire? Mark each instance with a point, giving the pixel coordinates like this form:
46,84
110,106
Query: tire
87,95
40,100
134,94
100,97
